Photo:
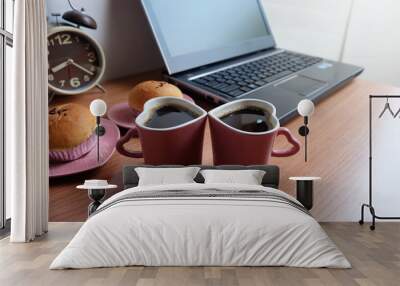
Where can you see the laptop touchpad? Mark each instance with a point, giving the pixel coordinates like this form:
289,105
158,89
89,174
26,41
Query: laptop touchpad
301,85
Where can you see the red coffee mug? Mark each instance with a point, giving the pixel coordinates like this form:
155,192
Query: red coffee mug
178,145
232,146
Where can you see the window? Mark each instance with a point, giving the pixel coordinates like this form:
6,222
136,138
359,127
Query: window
6,43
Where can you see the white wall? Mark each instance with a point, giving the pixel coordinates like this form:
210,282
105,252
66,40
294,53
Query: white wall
318,27
122,32
374,40
310,26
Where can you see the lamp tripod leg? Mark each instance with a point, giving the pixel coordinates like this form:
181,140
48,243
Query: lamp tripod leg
305,148
98,148
98,137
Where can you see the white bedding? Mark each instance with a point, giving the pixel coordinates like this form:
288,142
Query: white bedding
200,231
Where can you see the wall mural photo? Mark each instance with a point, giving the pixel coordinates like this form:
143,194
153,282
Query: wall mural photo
218,100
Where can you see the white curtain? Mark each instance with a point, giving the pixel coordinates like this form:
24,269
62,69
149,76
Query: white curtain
26,124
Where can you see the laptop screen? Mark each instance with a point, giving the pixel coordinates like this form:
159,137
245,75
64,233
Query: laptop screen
193,33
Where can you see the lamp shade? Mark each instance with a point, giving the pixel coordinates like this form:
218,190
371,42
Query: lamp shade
305,107
98,107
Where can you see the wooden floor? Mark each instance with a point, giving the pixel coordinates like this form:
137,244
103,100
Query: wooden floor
375,257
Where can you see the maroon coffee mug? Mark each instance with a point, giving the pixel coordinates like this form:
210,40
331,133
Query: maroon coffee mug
232,146
178,145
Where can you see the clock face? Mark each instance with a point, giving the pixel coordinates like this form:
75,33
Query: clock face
75,61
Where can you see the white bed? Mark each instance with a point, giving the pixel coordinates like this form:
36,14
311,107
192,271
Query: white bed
185,230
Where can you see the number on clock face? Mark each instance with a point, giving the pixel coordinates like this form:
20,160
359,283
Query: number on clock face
74,62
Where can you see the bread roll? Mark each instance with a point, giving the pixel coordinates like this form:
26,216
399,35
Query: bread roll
150,89
69,125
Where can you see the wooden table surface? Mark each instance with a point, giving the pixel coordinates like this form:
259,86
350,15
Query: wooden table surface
338,153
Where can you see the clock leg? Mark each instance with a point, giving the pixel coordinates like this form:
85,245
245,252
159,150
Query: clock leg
99,86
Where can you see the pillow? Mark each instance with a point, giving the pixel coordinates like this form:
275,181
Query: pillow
248,177
163,176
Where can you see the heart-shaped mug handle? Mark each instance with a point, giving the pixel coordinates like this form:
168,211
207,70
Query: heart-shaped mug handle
132,133
291,139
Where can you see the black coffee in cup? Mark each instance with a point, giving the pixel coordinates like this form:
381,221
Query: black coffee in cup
168,116
249,119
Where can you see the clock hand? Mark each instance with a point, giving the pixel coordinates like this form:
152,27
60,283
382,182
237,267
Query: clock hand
71,61
61,66
81,68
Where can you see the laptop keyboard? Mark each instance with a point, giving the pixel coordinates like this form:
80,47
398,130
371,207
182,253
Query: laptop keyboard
241,79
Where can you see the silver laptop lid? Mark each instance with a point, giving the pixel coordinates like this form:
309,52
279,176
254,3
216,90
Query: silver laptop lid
194,33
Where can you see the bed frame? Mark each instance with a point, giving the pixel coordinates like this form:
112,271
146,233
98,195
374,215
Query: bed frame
271,177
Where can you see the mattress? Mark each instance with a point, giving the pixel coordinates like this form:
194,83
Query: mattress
201,225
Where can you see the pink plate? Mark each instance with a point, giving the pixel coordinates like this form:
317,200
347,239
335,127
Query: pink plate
89,161
122,115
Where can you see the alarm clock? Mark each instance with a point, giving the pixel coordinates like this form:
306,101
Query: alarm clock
76,61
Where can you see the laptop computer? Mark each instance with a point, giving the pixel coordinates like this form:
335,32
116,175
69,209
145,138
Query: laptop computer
225,50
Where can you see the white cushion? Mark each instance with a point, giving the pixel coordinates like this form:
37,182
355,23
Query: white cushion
247,177
165,176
